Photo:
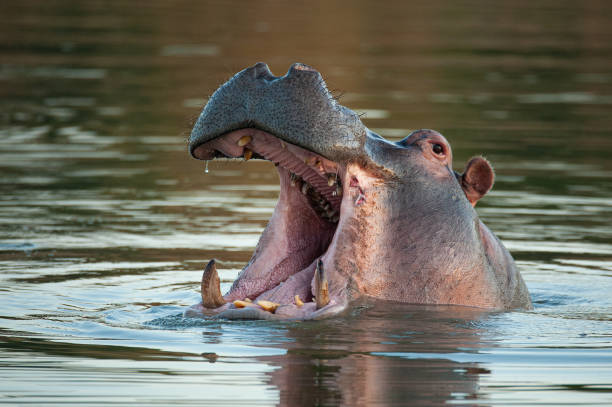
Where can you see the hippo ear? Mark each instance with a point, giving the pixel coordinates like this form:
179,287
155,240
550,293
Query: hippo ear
477,179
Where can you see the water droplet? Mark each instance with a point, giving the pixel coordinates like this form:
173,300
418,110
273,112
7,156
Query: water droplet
206,167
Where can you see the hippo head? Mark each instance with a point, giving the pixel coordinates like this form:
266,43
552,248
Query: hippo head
357,215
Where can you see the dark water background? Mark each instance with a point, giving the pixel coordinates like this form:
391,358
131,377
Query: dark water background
105,222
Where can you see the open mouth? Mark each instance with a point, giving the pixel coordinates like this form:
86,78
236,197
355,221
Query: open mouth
286,268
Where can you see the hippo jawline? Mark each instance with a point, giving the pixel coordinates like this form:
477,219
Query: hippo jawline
285,267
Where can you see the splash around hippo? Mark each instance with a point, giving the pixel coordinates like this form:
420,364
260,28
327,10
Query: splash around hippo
357,215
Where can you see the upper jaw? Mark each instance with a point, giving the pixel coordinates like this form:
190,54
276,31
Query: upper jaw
296,107
316,170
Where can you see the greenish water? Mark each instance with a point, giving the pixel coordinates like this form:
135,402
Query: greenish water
106,223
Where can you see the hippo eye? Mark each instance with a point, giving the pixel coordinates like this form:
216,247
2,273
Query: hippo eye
438,149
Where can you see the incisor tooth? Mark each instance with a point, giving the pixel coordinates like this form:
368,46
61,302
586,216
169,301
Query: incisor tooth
321,286
298,301
247,299
211,287
242,304
247,154
268,305
244,140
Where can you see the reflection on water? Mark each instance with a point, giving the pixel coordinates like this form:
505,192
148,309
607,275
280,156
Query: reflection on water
359,359
105,222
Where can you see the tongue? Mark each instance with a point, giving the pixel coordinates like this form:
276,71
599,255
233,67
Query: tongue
297,284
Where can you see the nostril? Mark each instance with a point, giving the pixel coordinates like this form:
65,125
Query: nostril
302,69
261,70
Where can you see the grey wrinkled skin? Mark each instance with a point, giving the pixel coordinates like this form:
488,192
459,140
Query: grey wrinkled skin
297,106
416,238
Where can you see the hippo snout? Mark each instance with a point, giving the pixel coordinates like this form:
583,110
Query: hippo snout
296,107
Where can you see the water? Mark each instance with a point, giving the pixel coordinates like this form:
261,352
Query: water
106,223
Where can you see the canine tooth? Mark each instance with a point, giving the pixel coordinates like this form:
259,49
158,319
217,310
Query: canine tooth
283,145
305,188
298,301
211,287
321,286
293,179
335,218
339,190
244,140
268,305
247,154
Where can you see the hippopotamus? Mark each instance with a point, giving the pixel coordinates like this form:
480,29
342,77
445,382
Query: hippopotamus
357,215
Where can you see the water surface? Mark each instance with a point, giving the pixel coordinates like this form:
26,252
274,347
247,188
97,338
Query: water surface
106,223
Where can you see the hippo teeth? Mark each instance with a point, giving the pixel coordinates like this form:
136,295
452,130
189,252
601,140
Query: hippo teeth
243,304
309,171
321,286
244,140
319,203
331,180
211,287
268,305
